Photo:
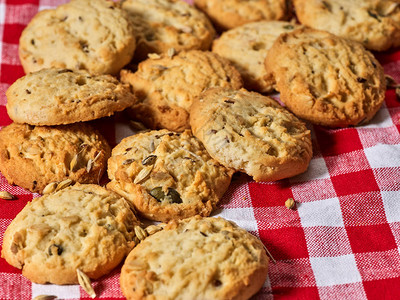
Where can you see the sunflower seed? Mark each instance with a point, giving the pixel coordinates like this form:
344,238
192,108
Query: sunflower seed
171,52
153,56
186,29
63,184
128,161
89,165
45,297
97,156
152,229
51,187
143,174
85,283
149,160
140,233
73,163
389,9
6,195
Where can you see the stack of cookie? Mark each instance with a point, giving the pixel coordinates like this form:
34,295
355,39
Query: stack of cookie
200,126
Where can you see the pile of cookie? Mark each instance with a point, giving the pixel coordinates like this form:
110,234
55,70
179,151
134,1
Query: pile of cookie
89,59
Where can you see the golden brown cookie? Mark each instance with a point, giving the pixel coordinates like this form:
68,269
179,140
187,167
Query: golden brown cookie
251,133
94,35
166,86
64,96
196,258
32,157
228,14
326,79
167,175
374,23
83,227
161,25
247,46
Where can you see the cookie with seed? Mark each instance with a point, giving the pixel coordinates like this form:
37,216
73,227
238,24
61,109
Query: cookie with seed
251,133
64,96
166,86
326,79
228,14
196,258
45,154
167,175
247,46
375,24
83,227
161,25
94,35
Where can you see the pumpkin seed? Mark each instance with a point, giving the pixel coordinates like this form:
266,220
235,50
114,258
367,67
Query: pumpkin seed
6,195
143,174
51,187
85,283
149,160
171,195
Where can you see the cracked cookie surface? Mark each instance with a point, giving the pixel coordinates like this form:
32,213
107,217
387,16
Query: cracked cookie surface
247,46
251,133
163,24
47,154
326,79
196,258
165,87
167,175
228,14
64,96
94,35
82,227
375,24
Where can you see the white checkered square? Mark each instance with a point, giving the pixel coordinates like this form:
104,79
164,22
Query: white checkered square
317,169
244,217
382,119
3,89
370,137
330,271
327,241
292,273
14,286
2,13
8,54
343,291
391,204
321,213
388,178
61,291
381,156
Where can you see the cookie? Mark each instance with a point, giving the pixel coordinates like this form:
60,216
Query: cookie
326,79
196,258
247,46
251,133
375,24
167,175
94,35
64,96
32,157
228,14
83,227
166,86
164,24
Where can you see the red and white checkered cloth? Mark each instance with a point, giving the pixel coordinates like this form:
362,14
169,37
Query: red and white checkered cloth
342,241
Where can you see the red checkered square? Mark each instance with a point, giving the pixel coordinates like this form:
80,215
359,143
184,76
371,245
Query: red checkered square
276,217
354,183
313,190
237,195
391,98
378,265
337,141
14,286
284,243
4,118
12,39
364,209
270,194
10,73
388,289
327,241
395,227
291,273
371,238
108,286
388,179
347,163
305,293
343,291
395,115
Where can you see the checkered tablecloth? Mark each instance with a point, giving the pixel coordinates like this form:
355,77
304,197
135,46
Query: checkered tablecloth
342,241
